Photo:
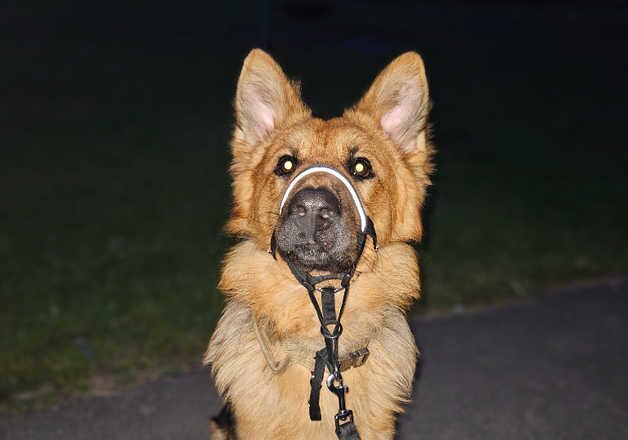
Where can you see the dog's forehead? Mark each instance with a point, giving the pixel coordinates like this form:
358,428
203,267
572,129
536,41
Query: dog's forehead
328,140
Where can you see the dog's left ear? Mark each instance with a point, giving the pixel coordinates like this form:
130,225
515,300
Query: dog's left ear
399,101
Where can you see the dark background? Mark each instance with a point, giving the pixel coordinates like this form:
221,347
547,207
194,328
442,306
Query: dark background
115,122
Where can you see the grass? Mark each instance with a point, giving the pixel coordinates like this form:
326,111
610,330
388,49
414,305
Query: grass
109,265
116,190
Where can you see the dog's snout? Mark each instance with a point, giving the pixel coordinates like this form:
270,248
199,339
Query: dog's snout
317,229
314,209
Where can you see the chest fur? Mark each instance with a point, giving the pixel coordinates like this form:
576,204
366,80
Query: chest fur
267,404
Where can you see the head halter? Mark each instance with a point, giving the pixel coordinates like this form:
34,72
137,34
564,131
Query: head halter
331,328
338,175
366,225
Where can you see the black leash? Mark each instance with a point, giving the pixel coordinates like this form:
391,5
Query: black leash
331,329
327,357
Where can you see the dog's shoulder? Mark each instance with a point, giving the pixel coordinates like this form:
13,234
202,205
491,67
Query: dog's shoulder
234,329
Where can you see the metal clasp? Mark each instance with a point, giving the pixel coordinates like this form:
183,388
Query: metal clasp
339,390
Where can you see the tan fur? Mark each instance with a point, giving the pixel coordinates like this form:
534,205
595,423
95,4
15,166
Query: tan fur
388,126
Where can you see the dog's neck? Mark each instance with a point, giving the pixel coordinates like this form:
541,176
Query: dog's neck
389,280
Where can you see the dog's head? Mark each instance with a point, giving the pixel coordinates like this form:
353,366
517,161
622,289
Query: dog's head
310,182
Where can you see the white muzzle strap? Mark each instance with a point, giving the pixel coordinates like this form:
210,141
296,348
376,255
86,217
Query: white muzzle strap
338,175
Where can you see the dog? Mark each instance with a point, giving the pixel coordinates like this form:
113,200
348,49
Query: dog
311,198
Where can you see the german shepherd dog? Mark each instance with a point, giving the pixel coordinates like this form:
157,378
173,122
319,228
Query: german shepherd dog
309,198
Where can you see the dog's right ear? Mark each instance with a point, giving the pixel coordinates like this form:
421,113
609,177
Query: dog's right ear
265,99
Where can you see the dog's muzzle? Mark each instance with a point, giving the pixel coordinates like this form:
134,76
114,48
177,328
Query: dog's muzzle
366,225
338,175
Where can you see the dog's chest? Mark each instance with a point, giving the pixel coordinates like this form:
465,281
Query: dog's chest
275,405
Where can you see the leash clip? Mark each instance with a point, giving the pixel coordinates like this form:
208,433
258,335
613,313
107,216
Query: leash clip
339,390
345,429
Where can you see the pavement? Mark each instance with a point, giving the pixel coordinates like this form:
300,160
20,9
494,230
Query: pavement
555,368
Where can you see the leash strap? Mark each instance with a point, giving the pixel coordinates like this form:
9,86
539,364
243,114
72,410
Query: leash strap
315,384
331,330
327,316
321,360
329,305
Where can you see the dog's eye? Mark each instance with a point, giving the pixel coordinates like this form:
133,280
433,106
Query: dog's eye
286,165
360,167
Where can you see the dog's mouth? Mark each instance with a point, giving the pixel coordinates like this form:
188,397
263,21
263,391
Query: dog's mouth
319,229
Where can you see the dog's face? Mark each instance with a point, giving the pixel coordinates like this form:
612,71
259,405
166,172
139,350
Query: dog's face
379,148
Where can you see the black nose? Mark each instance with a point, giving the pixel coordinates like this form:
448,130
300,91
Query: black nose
314,210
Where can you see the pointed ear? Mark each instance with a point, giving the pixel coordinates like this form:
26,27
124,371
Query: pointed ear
265,98
399,101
